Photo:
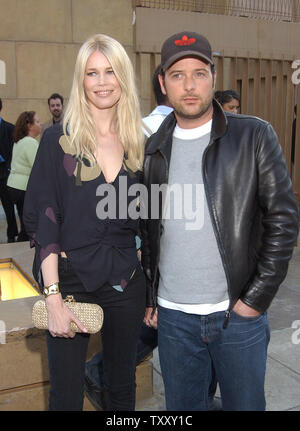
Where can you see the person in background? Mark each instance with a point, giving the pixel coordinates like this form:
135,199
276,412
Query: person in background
28,127
56,107
151,123
6,146
229,100
209,296
79,249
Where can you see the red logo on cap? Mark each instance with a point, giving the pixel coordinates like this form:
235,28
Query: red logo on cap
185,41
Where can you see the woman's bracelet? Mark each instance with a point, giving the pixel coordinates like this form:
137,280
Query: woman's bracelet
52,289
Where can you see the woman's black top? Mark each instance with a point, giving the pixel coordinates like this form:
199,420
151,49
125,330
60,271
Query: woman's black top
65,205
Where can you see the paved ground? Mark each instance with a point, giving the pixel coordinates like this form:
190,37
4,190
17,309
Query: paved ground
283,367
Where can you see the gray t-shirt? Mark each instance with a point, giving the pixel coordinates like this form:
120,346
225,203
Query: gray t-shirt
191,269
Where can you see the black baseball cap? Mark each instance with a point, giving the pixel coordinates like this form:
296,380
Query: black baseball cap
184,44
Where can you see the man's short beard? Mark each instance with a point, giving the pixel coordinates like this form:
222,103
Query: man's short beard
199,114
56,114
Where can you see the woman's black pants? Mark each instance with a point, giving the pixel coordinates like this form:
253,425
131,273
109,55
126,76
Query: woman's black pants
17,197
123,316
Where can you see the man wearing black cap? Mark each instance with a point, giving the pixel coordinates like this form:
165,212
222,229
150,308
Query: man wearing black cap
220,246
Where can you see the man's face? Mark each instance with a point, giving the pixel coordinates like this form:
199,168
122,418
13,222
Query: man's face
56,108
189,86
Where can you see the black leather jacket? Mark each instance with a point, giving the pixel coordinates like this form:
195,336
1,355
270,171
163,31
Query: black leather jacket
250,199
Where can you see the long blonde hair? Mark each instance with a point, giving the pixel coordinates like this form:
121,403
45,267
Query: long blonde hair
79,125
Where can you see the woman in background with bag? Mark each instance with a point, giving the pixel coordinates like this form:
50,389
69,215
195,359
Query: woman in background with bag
80,249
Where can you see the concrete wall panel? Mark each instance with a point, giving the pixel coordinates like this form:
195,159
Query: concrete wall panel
8,55
43,69
39,20
113,18
24,350
12,108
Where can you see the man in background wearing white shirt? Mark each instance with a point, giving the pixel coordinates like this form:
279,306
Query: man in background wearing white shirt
151,123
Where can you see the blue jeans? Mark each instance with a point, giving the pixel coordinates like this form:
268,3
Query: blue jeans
191,345
146,344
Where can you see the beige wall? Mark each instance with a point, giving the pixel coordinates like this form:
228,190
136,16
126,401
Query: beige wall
39,41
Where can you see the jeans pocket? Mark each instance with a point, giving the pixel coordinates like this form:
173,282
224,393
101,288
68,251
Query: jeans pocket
237,316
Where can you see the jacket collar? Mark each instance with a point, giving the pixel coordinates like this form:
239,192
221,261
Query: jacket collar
219,123
161,140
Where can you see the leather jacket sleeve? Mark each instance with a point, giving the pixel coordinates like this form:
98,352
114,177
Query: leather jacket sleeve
146,260
279,220
146,265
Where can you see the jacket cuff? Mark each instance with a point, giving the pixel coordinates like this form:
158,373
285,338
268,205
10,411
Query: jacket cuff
258,299
149,294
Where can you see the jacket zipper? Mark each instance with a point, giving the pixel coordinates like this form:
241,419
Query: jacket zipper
226,320
227,312
158,238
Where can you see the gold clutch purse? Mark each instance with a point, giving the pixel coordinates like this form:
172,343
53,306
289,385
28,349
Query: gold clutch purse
91,315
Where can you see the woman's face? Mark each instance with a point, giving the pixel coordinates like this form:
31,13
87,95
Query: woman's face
101,87
35,128
232,106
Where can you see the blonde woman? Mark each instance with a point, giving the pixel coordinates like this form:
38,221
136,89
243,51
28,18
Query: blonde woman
78,250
